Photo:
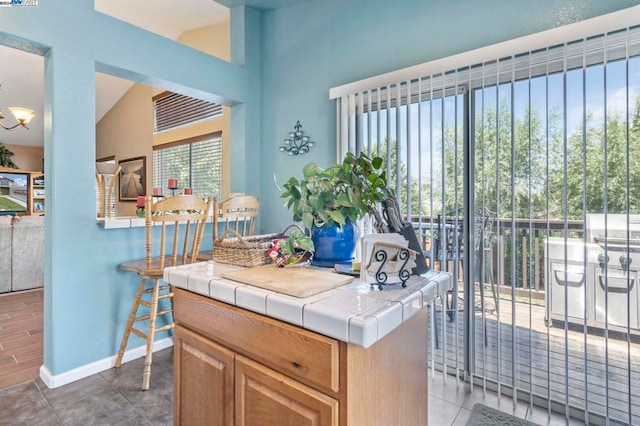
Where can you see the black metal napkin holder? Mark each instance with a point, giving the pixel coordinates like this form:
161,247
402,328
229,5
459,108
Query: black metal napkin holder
392,265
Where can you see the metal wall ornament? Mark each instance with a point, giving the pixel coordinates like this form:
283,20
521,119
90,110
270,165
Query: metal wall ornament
297,143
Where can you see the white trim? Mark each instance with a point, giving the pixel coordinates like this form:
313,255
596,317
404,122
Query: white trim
99,366
567,33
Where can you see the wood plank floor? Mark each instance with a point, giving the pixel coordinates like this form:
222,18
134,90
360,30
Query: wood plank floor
550,362
21,326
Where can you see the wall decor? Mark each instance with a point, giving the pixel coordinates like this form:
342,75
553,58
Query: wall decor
297,143
132,178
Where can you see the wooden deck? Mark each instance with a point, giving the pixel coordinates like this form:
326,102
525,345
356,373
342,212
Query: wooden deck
549,362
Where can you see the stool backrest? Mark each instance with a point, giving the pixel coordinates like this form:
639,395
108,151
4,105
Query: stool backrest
242,208
176,246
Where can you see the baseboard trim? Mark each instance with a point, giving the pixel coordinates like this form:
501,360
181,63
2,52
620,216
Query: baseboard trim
54,381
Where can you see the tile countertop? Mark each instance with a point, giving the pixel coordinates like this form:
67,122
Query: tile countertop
356,313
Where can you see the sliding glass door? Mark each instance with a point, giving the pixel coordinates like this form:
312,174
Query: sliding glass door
521,178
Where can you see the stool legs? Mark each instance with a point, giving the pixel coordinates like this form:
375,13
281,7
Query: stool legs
132,317
151,318
153,311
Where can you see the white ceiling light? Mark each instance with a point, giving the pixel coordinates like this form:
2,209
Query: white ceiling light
22,115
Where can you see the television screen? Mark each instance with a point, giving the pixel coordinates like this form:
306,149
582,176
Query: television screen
14,192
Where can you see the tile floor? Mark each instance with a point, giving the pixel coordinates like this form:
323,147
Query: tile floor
113,397
451,404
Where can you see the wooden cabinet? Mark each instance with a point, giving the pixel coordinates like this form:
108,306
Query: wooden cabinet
204,375
265,397
236,367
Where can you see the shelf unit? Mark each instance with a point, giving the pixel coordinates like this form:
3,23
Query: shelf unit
36,201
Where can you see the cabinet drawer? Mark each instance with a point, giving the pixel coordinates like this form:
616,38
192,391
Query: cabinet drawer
298,353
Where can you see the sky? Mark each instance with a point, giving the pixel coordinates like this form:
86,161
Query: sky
18,180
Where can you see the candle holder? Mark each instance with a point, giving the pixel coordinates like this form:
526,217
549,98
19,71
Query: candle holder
172,185
140,205
297,143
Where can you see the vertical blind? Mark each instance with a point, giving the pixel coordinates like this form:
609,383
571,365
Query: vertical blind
492,162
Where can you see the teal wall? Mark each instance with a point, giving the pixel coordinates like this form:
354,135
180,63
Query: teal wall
313,46
283,64
87,298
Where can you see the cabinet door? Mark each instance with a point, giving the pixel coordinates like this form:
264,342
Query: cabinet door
267,398
203,379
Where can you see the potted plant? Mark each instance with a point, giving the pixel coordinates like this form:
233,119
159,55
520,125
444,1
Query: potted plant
5,158
330,201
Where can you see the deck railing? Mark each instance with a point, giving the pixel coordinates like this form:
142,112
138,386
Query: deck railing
496,239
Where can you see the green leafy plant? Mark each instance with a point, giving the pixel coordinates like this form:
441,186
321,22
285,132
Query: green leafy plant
296,248
297,243
5,157
340,192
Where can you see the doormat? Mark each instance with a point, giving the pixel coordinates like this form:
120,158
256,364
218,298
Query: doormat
481,415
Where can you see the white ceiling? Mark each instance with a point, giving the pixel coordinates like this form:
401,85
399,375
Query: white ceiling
22,74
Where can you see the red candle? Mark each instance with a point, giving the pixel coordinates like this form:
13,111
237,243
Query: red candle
173,183
140,201
188,191
157,191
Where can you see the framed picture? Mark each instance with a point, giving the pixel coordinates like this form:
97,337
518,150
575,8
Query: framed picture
132,177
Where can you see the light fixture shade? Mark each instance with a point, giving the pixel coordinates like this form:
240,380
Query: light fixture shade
23,115
105,168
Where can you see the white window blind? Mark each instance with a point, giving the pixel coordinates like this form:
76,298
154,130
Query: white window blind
196,165
172,110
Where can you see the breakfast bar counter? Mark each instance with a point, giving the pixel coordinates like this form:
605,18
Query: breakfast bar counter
352,355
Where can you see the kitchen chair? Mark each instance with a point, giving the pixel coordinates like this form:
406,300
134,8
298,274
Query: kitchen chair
176,245
233,211
242,208
449,250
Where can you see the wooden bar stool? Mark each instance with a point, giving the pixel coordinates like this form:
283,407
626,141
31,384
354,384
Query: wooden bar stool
241,208
238,213
190,211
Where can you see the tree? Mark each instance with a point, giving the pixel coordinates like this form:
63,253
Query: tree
597,159
390,164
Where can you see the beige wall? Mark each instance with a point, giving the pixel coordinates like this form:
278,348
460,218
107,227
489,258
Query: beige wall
27,157
126,131
214,40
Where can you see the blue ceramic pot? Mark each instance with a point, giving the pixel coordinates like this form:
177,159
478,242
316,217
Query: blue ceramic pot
334,244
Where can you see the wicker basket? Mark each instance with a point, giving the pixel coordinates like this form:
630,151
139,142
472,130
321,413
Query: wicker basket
246,251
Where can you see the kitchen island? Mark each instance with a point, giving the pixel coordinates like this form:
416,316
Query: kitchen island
353,355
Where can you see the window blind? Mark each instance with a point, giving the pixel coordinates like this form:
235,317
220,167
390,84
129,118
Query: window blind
196,165
172,110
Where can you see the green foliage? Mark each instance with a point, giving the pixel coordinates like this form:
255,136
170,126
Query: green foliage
399,182
297,243
343,191
5,158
